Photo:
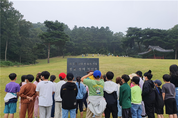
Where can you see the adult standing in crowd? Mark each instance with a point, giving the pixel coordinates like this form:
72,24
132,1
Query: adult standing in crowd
174,79
148,94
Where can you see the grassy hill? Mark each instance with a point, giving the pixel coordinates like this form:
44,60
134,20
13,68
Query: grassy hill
119,65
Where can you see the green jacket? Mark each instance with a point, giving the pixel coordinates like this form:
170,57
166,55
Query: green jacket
125,96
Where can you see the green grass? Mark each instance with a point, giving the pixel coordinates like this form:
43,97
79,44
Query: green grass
119,65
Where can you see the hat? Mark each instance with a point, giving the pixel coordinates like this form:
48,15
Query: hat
139,73
70,76
97,73
132,75
63,75
158,82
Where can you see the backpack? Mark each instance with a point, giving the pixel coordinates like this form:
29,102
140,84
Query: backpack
159,103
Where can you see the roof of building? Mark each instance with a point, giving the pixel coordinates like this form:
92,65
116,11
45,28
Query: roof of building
157,48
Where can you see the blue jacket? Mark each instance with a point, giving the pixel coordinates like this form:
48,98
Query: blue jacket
81,91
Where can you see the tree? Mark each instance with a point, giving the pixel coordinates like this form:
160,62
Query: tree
9,26
173,39
55,34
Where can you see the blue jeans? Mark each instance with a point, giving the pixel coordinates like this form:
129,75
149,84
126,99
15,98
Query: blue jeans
119,109
53,107
136,110
176,97
65,113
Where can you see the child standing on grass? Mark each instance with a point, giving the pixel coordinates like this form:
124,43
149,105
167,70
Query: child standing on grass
96,101
36,106
27,94
45,89
23,77
168,93
58,99
81,94
110,94
52,79
159,111
10,99
125,97
119,83
68,94
148,94
136,98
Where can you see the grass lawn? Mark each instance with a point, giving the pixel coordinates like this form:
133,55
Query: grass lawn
119,65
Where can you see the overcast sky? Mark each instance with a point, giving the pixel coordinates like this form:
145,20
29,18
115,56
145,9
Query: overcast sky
117,15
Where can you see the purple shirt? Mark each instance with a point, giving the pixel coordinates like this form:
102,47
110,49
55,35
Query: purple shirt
12,87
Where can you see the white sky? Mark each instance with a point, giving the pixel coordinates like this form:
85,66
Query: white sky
117,15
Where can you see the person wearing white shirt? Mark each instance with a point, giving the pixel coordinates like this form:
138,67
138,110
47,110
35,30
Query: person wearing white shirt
45,89
57,97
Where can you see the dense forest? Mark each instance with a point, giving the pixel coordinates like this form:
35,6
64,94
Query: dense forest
25,42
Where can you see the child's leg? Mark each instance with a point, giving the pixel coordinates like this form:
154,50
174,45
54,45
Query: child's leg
48,115
42,112
134,109
11,116
36,107
126,113
107,112
175,115
171,116
73,113
81,108
58,110
6,115
139,111
30,110
23,110
89,114
65,113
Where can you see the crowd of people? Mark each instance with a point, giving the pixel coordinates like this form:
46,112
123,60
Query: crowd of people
131,96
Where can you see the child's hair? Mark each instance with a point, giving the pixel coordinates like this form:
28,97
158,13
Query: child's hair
166,77
23,77
12,76
139,73
136,79
118,80
46,74
78,80
109,75
173,70
30,77
148,74
104,77
70,76
38,77
126,78
52,78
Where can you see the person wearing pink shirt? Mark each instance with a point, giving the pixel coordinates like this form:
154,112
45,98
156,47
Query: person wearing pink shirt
23,77
36,107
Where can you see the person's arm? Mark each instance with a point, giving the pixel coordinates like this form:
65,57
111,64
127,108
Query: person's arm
163,94
61,92
84,77
146,90
37,92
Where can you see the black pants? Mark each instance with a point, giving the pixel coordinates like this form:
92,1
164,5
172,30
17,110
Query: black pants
84,99
149,108
80,104
111,109
126,113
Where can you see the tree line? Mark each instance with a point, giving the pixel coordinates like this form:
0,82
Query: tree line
25,42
